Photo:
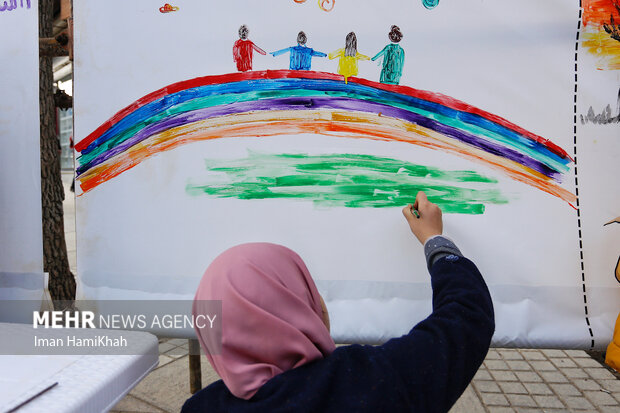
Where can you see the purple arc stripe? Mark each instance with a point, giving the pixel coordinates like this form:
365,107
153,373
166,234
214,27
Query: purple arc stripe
317,104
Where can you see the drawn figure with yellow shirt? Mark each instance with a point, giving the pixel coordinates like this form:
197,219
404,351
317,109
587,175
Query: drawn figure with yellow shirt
347,65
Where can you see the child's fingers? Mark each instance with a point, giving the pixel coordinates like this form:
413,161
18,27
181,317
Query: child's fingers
408,213
420,200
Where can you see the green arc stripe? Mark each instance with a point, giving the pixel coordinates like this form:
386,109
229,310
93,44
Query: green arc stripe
231,98
346,180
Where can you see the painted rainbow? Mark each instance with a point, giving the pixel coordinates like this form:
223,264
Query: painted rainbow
282,102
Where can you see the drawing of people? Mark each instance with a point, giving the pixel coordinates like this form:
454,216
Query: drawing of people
393,58
301,55
347,65
243,50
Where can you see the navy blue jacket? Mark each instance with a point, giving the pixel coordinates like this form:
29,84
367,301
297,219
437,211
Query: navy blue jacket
424,371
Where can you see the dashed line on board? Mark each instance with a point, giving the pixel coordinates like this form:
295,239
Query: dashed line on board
583,272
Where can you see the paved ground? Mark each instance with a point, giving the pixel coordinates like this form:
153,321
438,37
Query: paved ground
510,380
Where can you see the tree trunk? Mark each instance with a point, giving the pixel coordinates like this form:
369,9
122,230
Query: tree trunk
55,261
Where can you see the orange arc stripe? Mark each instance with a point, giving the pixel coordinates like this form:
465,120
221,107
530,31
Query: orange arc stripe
334,123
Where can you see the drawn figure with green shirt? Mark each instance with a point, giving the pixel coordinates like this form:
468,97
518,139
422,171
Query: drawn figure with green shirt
393,58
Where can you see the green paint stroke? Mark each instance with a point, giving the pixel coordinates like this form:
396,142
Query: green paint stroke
346,180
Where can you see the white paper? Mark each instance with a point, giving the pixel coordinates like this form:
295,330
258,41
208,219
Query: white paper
21,245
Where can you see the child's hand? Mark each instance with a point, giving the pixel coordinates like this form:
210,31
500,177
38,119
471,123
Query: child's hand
429,223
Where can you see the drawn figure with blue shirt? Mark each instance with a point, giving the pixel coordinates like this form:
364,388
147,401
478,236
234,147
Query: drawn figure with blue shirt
301,55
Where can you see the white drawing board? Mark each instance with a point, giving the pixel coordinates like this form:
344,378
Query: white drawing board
183,151
21,245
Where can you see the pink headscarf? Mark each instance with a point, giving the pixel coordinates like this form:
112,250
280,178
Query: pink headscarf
271,315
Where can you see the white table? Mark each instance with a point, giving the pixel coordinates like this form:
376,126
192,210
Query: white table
85,383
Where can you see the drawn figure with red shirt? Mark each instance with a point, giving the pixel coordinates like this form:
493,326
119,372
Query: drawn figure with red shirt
243,50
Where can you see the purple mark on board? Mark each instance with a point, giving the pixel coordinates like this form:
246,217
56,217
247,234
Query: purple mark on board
12,5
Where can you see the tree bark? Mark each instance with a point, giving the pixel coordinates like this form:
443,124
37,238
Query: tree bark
55,261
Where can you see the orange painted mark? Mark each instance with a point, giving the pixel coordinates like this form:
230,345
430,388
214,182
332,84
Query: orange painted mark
595,12
335,123
327,5
167,8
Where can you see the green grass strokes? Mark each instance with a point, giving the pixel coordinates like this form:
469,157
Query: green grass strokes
346,180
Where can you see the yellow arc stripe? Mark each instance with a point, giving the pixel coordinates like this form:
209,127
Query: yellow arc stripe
325,122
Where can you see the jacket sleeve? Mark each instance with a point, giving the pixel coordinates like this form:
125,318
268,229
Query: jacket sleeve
282,51
381,53
438,358
258,49
336,53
